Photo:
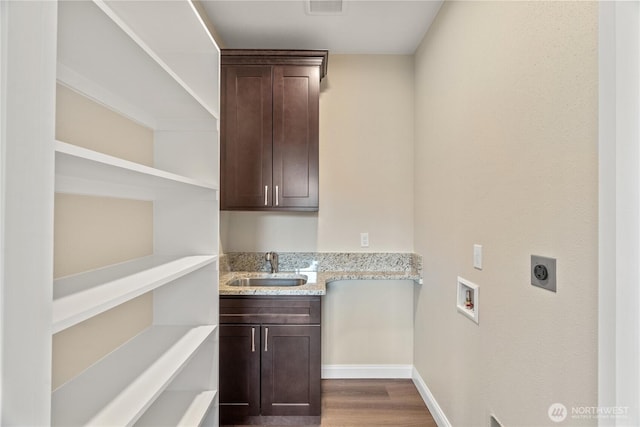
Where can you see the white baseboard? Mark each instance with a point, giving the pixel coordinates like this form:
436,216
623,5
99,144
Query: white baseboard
366,371
436,411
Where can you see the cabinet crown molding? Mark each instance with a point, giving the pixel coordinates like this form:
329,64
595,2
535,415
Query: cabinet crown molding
276,57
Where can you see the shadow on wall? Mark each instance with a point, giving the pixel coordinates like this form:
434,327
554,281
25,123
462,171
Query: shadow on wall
269,231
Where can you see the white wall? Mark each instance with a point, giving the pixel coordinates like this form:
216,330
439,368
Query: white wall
366,148
506,156
619,213
27,92
368,323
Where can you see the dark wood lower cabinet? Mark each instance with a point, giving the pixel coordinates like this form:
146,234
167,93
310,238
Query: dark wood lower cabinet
291,370
269,369
240,370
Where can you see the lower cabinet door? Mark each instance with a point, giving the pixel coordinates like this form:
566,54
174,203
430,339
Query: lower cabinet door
239,371
290,370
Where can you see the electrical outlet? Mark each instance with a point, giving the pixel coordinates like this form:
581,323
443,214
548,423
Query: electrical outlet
543,272
364,240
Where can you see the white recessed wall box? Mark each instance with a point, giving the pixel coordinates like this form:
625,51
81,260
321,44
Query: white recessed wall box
468,299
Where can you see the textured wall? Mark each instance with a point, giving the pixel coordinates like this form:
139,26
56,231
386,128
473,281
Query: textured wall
506,156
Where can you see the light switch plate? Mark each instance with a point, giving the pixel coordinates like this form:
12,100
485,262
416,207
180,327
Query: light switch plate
547,265
477,256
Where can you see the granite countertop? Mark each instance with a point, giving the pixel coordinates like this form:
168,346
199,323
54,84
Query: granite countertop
320,269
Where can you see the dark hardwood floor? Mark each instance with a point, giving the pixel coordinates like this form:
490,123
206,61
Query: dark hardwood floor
360,403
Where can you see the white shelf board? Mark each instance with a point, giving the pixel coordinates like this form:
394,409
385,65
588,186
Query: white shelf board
83,171
98,58
119,388
178,408
82,296
188,53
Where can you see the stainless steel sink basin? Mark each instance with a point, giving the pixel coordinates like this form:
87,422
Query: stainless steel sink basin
298,280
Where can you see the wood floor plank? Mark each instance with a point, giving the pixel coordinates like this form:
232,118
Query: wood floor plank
364,403
358,403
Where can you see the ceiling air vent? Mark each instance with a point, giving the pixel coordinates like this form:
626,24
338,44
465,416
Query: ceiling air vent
325,7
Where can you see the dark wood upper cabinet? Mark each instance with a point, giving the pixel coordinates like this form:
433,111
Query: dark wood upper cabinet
269,129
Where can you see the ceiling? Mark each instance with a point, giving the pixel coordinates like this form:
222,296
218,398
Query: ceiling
363,27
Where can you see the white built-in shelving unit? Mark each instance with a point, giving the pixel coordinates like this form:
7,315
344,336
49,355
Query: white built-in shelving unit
155,63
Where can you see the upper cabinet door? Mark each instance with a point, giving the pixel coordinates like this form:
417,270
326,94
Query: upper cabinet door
246,137
296,92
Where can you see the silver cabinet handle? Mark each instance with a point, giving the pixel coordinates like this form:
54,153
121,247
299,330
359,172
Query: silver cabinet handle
266,200
266,339
277,197
253,340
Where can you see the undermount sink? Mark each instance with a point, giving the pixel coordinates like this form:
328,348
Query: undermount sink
297,280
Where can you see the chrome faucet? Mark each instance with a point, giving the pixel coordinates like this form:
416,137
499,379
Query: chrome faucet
272,257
